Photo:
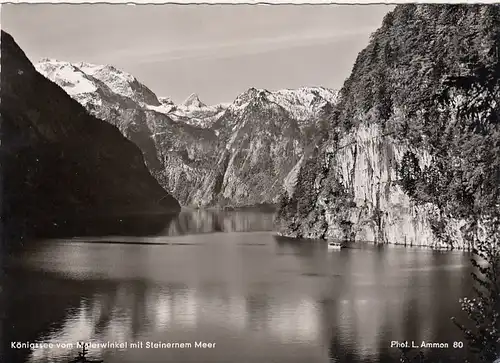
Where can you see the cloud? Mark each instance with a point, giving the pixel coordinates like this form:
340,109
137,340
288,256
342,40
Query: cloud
229,49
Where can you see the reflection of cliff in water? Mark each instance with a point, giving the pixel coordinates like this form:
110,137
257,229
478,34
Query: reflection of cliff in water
355,310
208,221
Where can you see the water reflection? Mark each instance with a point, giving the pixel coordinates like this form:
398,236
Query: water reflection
205,221
188,221
255,296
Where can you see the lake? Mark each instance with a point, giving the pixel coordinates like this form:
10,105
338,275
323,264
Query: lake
225,279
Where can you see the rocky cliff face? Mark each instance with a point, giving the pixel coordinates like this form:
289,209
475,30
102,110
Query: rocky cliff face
355,194
58,162
355,185
234,155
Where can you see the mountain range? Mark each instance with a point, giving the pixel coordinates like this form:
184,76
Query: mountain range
226,155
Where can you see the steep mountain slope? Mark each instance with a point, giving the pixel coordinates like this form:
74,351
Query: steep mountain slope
264,135
251,145
58,162
223,155
402,163
259,138
111,95
178,154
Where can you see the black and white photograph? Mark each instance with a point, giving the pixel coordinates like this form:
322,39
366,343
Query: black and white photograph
250,183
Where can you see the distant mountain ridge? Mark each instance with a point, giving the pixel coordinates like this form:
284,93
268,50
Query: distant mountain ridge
198,151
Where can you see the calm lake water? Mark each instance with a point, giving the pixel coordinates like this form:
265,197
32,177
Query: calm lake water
225,279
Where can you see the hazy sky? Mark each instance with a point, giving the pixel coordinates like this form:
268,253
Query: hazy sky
217,51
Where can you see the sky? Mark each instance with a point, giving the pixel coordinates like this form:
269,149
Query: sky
216,51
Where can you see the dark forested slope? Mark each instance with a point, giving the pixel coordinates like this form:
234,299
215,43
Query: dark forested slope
60,163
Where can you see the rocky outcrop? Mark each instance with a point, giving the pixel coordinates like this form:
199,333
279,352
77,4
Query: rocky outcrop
61,164
357,185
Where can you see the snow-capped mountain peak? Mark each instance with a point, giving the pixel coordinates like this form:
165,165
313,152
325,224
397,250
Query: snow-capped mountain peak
193,101
71,78
120,82
93,85
115,79
304,104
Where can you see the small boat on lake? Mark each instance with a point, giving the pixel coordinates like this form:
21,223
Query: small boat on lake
332,245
